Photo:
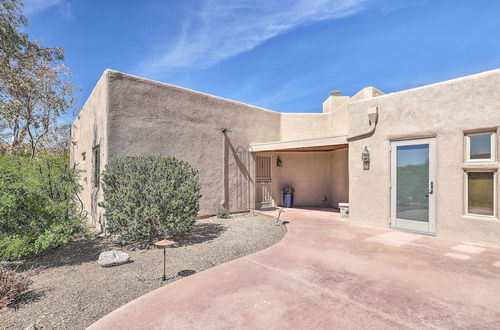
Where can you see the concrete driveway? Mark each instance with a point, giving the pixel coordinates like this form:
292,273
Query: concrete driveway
328,274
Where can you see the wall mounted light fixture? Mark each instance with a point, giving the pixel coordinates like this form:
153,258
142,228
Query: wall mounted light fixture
279,163
365,157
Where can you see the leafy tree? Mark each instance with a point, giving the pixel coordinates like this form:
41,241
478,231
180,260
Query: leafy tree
58,139
34,86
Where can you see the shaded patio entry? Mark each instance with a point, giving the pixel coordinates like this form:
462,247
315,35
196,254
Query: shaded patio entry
318,174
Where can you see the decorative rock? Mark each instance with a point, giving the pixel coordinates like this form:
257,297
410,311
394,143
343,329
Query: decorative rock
31,327
112,258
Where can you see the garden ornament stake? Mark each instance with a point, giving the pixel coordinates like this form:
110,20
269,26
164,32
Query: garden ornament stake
164,244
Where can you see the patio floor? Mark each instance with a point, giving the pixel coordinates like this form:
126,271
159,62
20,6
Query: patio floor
329,274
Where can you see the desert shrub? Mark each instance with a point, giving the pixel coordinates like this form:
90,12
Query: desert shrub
223,213
13,285
150,197
38,208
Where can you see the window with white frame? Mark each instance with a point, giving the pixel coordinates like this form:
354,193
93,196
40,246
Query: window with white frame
480,192
480,147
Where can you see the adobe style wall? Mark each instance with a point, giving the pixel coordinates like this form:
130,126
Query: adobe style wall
89,131
339,176
444,110
148,117
128,115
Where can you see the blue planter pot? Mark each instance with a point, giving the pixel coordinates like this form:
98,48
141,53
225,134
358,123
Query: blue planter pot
288,200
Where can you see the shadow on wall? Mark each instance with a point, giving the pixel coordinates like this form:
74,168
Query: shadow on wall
242,190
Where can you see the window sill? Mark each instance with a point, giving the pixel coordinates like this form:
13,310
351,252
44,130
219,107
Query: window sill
480,165
486,218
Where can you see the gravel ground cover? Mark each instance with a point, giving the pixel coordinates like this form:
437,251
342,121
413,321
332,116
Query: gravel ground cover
72,291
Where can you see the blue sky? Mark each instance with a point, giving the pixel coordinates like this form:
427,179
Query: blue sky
284,55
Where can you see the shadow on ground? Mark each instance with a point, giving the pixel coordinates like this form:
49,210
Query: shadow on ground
82,251
186,272
202,232
27,298
75,253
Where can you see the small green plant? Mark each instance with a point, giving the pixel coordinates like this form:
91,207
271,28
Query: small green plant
38,208
223,213
13,285
287,189
150,197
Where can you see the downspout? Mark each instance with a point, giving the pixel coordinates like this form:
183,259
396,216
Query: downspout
372,113
225,168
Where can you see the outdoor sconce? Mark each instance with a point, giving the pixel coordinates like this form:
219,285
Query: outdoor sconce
365,157
279,163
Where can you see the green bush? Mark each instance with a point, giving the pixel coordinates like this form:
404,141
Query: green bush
223,213
38,210
150,197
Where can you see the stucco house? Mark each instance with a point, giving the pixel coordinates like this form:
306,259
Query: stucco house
422,160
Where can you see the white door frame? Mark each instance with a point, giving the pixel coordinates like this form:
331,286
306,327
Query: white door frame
412,225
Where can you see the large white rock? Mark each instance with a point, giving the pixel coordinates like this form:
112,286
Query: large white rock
112,258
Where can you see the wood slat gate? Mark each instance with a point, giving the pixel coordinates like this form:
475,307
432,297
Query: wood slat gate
264,181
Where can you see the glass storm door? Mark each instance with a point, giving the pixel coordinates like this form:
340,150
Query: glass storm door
413,185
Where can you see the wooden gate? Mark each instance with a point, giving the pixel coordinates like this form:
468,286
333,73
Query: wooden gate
263,194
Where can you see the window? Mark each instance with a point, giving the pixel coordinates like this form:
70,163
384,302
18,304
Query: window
480,147
480,192
97,166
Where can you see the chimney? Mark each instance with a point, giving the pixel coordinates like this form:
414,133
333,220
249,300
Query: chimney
334,100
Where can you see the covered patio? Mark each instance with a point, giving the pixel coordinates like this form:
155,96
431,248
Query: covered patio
316,168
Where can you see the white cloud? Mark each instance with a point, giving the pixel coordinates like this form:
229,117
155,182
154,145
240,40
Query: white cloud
32,7
214,30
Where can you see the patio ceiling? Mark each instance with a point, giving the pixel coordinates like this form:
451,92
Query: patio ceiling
316,144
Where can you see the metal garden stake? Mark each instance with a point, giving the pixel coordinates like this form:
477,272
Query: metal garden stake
164,244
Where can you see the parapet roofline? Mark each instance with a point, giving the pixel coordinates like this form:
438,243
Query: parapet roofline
439,83
156,82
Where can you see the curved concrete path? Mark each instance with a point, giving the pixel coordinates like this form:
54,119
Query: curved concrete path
327,274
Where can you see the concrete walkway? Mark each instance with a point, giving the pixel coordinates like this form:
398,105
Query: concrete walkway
327,274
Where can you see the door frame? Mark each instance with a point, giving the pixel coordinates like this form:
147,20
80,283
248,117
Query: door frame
413,225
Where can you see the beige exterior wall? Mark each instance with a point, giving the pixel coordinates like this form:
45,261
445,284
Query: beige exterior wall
148,117
444,110
339,176
296,126
308,173
127,115
89,131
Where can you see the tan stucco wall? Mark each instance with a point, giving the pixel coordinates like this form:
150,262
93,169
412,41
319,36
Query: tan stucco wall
308,173
295,126
339,120
148,117
444,110
87,132
339,177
